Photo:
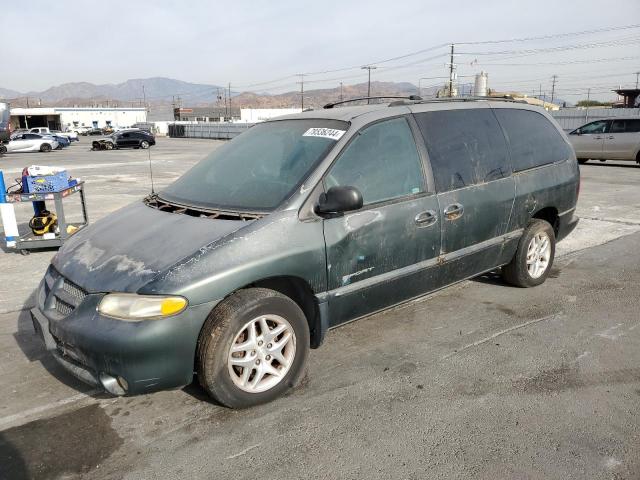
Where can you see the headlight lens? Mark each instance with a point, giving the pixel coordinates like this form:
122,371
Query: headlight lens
134,308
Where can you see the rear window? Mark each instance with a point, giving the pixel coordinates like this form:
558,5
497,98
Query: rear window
465,147
534,141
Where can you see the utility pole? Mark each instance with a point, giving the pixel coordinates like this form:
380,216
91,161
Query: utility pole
341,98
230,114
301,82
554,79
369,68
144,97
637,75
586,109
451,72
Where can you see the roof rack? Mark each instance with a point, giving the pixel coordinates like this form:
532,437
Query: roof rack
410,97
502,98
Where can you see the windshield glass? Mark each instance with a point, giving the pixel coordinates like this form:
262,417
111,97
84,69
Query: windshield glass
259,169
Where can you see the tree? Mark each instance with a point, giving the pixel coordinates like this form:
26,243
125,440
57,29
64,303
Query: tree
592,103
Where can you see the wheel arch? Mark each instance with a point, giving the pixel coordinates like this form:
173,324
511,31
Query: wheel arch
550,215
298,290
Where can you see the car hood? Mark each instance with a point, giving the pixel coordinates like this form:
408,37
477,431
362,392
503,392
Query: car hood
125,250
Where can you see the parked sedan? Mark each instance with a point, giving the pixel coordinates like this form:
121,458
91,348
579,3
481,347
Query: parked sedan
30,142
125,139
613,139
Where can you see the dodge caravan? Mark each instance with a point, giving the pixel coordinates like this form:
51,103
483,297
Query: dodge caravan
233,272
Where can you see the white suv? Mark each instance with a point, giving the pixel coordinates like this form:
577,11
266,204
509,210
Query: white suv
613,139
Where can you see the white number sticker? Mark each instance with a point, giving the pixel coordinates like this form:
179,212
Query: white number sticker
331,133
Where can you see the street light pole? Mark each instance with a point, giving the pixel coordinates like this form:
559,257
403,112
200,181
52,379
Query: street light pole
369,68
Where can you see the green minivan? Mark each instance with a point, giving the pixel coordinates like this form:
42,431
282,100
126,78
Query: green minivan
300,224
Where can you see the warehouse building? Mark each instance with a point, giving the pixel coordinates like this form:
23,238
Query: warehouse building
221,114
62,118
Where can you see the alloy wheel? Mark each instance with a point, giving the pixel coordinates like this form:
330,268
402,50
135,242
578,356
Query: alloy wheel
538,255
262,353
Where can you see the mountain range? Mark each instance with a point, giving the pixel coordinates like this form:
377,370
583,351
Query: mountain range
162,93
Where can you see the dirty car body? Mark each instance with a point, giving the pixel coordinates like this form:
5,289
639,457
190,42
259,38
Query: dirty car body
418,228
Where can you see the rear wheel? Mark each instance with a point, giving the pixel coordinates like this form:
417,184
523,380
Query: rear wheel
45,147
532,262
253,348
3,149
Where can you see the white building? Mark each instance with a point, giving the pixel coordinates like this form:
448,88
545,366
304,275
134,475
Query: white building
61,118
254,115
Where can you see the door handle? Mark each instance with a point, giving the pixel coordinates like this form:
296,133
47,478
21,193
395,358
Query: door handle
453,211
611,137
424,219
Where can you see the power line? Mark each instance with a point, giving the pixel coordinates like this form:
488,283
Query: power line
556,35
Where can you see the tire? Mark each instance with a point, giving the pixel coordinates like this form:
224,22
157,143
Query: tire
144,144
230,324
45,147
3,149
108,146
518,272
582,161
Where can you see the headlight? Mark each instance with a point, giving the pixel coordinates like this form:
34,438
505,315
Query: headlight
134,308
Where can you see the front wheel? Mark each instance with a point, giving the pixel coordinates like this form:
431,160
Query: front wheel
532,262
144,144
253,348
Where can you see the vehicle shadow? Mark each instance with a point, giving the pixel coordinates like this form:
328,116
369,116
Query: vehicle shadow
492,278
13,464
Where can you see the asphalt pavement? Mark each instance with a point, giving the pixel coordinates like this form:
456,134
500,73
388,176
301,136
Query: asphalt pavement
480,380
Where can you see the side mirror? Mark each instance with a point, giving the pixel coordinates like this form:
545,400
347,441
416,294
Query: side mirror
339,200
577,131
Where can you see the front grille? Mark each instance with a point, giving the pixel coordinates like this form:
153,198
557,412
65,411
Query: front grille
63,308
67,295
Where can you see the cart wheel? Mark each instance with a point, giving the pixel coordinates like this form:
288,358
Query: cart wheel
24,252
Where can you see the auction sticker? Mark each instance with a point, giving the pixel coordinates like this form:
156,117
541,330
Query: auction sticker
331,133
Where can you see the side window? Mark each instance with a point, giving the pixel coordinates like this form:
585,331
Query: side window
465,147
633,126
594,127
533,139
618,126
382,162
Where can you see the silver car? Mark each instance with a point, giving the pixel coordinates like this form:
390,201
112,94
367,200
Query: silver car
613,139
29,142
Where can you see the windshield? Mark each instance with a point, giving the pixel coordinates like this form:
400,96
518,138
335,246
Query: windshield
259,169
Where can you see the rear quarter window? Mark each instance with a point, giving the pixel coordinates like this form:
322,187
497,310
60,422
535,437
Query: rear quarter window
466,147
534,141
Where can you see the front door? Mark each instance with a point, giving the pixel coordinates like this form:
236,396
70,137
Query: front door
387,251
470,162
588,140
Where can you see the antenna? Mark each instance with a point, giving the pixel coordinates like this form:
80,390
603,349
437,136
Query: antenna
151,172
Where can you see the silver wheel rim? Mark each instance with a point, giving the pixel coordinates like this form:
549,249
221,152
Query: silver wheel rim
262,353
538,255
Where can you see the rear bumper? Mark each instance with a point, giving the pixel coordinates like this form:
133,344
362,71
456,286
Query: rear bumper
567,222
150,355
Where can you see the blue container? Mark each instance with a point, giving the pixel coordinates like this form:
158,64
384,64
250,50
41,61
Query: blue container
46,183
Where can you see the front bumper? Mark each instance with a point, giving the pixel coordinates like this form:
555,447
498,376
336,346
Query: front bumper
149,355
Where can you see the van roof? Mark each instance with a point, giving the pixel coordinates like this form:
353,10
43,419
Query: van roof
348,113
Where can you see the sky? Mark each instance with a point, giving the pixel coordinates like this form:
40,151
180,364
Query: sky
261,45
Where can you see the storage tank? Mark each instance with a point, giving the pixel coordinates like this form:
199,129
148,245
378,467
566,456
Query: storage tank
480,87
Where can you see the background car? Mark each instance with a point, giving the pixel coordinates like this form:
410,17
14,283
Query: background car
608,139
30,142
125,139
61,139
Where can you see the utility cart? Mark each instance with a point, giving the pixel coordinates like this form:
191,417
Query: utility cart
31,241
